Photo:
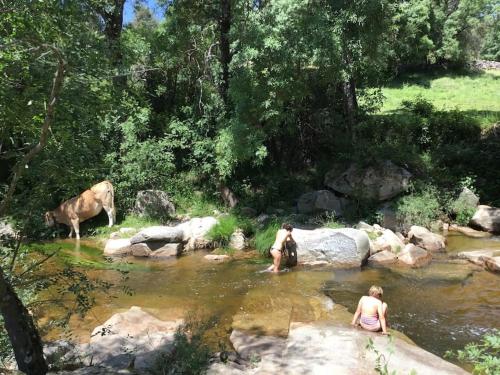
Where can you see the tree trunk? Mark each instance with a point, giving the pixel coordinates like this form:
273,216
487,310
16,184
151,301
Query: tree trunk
224,45
349,94
23,334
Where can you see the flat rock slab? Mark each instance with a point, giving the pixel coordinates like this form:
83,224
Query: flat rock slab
488,259
319,348
469,231
438,271
159,233
134,336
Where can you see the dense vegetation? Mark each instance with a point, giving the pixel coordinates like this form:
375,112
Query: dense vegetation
257,97
248,99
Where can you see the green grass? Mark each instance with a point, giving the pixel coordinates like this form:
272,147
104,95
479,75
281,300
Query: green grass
264,238
222,231
130,221
476,94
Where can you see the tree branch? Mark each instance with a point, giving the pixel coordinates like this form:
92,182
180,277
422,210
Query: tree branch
49,118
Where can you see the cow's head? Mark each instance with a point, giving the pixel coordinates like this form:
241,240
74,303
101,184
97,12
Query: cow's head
49,218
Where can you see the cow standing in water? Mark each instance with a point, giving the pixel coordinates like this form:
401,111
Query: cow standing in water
84,206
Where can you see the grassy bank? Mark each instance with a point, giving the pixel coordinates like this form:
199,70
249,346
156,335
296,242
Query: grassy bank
476,94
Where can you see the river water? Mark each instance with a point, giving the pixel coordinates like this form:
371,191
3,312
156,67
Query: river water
439,307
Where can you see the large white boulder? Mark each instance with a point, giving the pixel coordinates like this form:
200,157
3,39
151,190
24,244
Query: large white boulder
321,201
159,233
345,247
379,182
424,238
486,218
195,232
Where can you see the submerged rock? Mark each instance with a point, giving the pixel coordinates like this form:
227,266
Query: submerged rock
424,238
344,248
216,257
486,218
488,259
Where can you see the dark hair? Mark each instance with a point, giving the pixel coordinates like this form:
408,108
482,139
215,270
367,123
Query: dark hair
287,227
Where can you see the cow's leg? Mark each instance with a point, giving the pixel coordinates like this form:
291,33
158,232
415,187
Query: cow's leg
71,231
76,224
111,214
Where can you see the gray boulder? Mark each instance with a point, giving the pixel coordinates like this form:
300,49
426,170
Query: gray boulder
159,233
382,258
344,248
321,201
238,240
380,182
132,337
466,200
195,232
424,238
386,240
414,256
153,203
117,247
486,218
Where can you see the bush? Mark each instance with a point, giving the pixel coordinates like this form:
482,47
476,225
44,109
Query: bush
189,355
485,356
222,231
419,208
264,238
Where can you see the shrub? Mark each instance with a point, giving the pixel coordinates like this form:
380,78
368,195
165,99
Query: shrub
189,354
419,208
485,355
264,238
222,231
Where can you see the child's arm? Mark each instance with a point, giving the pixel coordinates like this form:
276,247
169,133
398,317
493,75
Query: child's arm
381,317
357,313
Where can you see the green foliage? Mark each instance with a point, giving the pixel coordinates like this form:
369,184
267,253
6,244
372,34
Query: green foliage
329,220
381,361
485,355
264,238
222,231
420,207
189,355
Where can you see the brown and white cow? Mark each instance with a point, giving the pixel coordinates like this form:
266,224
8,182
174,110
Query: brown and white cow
84,206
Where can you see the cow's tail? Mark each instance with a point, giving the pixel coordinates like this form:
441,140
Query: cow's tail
111,192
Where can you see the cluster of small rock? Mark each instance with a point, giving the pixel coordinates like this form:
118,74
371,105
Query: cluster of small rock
389,248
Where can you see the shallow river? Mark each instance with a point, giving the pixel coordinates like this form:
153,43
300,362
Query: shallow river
440,307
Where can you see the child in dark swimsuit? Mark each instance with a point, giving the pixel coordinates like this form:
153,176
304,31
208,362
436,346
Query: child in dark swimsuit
371,311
